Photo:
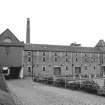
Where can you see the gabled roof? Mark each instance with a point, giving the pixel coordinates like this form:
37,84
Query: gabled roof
7,38
8,34
101,43
40,47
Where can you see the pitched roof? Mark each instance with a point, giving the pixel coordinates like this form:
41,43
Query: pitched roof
9,39
8,34
101,43
46,47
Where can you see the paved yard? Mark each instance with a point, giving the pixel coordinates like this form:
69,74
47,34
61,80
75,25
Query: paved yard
31,93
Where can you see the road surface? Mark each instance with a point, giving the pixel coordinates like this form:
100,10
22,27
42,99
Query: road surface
32,93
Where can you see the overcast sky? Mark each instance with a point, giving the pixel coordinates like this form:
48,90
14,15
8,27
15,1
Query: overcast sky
58,22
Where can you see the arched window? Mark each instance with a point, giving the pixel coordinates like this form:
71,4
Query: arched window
7,40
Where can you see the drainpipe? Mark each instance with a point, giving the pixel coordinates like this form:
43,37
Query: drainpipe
72,65
32,68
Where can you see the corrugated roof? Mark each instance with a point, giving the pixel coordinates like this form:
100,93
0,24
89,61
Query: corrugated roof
60,48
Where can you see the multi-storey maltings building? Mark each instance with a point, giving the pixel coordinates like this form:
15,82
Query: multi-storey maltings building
49,60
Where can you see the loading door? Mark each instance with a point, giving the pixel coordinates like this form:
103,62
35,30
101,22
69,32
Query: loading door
57,70
14,73
77,70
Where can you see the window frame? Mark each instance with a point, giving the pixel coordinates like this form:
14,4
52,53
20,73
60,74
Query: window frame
43,68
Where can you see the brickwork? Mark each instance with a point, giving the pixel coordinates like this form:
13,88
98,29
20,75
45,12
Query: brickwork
88,62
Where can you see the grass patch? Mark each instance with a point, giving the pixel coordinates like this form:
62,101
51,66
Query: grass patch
6,99
5,95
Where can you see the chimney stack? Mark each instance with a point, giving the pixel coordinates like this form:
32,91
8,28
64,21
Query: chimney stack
28,31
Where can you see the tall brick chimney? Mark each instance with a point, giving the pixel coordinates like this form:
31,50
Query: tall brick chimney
28,31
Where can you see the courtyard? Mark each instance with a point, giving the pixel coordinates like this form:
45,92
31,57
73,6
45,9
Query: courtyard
27,92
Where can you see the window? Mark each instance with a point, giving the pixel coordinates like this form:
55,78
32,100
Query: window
66,68
29,69
66,60
77,70
66,53
7,40
44,68
55,54
94,67
44,54
29,59
76,60
29,53
44,59
55,59
57,70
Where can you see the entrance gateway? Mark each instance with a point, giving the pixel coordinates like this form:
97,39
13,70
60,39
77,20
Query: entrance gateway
11,72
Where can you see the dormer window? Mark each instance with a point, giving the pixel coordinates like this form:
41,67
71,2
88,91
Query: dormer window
7,40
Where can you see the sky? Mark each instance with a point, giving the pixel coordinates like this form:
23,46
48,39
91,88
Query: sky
55,22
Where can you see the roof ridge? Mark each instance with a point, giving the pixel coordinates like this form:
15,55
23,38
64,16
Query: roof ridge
100,43
62,45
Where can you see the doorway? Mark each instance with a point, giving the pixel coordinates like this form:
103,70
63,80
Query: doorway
102,70
77,70
14,73
57,70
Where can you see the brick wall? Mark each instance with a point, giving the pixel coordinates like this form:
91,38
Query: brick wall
68,61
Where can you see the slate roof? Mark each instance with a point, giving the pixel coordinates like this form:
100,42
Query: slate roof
8,34
46,47
101,43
